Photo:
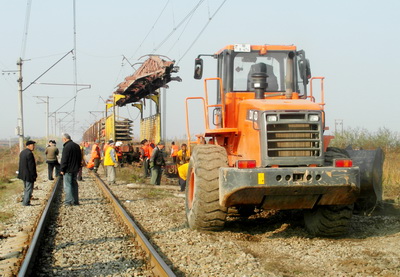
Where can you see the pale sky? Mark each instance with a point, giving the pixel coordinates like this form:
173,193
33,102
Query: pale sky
352,43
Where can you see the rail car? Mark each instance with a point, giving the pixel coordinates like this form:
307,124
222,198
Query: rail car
117,129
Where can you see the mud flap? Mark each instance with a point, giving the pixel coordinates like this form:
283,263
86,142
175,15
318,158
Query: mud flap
370,163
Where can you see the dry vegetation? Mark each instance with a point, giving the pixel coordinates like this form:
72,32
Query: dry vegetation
9,185
390,144
8,163
8,167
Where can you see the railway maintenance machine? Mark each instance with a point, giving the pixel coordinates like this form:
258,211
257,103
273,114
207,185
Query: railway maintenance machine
264,145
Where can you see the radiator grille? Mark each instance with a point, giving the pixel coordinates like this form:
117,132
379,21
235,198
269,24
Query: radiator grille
293,140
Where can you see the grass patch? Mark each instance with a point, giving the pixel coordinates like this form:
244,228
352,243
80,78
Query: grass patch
130,174
9,158
391,176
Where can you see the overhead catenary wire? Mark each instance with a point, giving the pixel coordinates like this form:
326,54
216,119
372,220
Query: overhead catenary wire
26,27
179,37
120,70
45,57
47,70
201,32
130,117
178,26
151,29
75,69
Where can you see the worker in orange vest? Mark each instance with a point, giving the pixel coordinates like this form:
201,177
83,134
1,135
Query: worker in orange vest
95,155
174,151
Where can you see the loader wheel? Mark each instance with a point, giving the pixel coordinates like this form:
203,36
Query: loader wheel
203,211
328,221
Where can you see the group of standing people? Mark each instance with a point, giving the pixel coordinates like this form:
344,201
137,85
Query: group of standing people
111,159
153,158
71,163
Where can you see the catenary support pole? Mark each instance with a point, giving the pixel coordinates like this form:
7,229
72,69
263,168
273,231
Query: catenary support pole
20,129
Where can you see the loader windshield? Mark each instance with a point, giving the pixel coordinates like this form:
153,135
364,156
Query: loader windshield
245,64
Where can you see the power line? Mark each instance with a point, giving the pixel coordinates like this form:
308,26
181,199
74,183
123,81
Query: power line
45,57
25,33
47,70
151,29
177,27
184,29
75,70
202,30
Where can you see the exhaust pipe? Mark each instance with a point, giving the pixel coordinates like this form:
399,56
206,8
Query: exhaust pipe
259,84
289,76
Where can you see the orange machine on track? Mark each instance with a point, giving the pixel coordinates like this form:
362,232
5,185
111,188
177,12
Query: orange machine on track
268,149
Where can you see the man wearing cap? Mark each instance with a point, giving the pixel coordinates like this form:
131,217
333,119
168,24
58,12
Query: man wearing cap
110,162
70,163
51,159
27,171
157,161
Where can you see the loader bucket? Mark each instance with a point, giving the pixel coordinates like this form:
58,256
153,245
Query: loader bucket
370,163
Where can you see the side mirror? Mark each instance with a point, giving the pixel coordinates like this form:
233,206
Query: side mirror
305,70
198,68
308,69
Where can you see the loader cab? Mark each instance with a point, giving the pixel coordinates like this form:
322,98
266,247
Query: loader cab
236,63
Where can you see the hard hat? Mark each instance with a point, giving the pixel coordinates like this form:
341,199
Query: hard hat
118,143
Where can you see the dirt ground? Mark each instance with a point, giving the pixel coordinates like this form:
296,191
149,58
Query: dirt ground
283,247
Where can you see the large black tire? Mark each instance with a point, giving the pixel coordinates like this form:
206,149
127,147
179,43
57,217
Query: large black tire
328,221
203,211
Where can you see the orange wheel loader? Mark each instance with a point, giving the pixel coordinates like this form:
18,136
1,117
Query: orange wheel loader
264,146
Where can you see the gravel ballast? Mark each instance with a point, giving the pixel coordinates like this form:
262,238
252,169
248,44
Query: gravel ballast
273,243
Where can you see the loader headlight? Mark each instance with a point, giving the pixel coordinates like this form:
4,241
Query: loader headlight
252,115
313,117
255,115
272,118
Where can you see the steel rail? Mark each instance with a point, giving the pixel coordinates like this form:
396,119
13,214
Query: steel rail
158,265
30,256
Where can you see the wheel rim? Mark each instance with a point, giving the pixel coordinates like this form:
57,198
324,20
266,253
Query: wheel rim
191,189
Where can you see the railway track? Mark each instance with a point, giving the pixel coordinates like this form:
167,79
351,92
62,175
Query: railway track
86,240
269,244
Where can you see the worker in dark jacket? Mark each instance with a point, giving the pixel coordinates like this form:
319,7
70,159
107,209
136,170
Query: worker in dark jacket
70,163
27,171
157,161
52,159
